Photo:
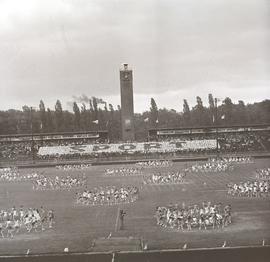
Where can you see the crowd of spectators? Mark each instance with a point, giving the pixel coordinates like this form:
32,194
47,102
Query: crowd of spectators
109,195
58,183
249,189
240,142
192,143
173,177
15,151
263,173
22,150
123,171
206,216
19,220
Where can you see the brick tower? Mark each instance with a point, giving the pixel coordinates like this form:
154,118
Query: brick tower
127,108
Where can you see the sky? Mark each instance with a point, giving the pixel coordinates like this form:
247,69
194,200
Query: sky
178,49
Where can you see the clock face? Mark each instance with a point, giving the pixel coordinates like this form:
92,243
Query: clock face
126,76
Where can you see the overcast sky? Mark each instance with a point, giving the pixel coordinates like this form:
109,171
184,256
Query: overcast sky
55,49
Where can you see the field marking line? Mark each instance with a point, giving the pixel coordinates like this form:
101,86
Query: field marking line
117,218
98,213
252,212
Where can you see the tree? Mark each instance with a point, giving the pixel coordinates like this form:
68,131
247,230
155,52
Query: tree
186,113
153,112
95,106
211,109
211,102
111,108
240,113
91,106
77,116
43,120
228,110
84,117
198,113
199,103
59,118
49,120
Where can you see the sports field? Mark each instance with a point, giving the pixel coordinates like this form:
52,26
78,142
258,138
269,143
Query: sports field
77,226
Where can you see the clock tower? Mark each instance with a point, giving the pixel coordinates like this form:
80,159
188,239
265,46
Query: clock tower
127,108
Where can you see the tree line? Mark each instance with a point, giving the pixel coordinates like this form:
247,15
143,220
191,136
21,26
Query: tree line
92,117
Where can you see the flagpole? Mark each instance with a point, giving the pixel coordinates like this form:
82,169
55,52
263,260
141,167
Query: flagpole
216,123
32,135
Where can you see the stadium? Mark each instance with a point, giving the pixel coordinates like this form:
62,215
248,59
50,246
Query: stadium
94,227
184,192
162,159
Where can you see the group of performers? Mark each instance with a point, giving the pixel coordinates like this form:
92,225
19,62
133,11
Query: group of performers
263,173
15,221
250,189
173,177
109,195
206,216
213,165
58,183
155,163
123,171
12,174
73,167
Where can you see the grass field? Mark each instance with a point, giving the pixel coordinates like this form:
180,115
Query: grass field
77,226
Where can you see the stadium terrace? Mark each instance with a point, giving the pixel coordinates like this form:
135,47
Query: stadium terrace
158,147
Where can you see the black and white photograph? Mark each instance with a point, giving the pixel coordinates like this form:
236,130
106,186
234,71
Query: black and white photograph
135,130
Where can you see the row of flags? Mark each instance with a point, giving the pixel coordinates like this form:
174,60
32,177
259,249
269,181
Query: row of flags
157,121
222,117
145,120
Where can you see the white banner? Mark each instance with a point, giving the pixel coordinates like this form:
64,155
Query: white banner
159,147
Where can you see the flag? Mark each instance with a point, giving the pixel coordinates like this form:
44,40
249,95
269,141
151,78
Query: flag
145,247
184,246
223,117
146,119
213,119
157,121
95,121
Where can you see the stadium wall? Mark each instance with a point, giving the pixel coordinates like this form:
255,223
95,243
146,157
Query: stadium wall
121,161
